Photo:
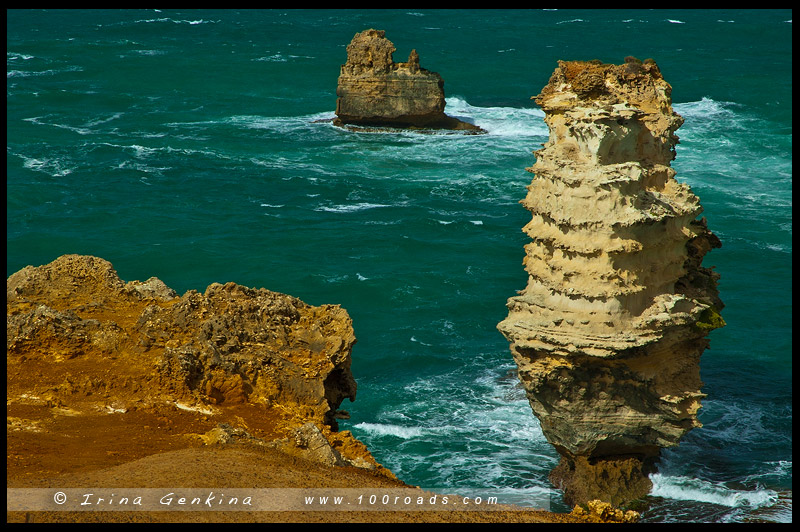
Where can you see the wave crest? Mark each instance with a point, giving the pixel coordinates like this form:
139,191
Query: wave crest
692,489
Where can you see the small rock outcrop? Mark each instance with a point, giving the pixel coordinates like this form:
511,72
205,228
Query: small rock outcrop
608,333
374,91
95,340
603,512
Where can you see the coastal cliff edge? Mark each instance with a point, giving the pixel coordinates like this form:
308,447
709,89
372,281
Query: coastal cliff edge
126,384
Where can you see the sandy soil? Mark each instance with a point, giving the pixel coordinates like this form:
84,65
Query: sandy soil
116,458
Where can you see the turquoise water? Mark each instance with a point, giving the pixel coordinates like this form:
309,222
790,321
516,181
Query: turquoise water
185,145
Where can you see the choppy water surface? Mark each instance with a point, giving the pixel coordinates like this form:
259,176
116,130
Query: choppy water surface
189,145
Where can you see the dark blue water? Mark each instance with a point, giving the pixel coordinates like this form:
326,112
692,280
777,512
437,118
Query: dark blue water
183,145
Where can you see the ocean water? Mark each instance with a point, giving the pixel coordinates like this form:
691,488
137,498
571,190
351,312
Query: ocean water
188,145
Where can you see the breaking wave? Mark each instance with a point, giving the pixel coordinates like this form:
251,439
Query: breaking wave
692,489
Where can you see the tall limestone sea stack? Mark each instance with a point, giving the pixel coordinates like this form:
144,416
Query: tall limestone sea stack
374,91
608,333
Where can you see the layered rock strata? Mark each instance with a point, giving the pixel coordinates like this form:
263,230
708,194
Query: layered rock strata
82,341
608,333
374,91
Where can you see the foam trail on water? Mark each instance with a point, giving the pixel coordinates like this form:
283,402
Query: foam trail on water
382,429
355,207
500,121
692,489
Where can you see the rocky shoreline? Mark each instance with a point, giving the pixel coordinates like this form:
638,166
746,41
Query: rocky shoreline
114,384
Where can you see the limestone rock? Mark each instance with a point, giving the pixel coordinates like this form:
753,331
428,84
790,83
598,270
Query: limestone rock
597,511
608,333
309,443
374,91
93,339
153,288
224,434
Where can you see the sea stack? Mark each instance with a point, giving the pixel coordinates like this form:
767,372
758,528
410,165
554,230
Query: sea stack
374,91
607,334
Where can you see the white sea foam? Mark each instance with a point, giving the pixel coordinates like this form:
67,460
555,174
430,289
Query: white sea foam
336,278
353,207
491,408
144,152
476,438
381,429
732,421
500,121
283,163
103,120
691,489
38,121
779,469
274,58
509,122
52,166
49,72
141,167
13,56
166,19
780,248
736,154
280,124
706,111
149,52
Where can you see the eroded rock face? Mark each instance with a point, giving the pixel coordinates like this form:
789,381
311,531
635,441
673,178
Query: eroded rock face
232,351
374,91
608,333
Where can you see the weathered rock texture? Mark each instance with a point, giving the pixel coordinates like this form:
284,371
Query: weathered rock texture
112,385
608,333
81,340
374,91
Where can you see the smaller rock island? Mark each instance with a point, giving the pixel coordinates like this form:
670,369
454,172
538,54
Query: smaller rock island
375,92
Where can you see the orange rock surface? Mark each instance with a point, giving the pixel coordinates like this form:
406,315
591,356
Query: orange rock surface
115,384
